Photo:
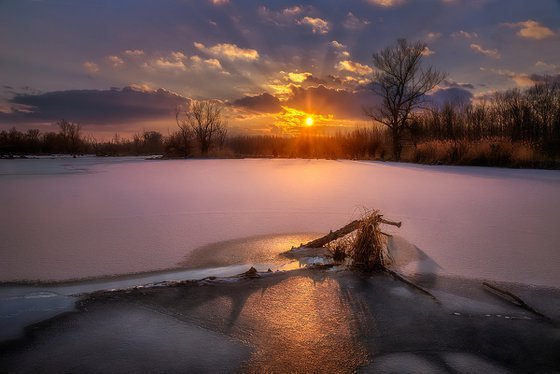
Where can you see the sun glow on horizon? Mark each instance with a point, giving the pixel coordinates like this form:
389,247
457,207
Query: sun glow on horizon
309,121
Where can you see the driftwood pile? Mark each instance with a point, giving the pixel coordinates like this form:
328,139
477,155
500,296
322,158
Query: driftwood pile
368,247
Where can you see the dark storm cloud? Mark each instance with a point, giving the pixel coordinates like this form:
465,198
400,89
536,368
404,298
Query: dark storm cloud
264,103
95,106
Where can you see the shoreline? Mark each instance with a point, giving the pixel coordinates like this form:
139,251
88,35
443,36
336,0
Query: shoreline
159,157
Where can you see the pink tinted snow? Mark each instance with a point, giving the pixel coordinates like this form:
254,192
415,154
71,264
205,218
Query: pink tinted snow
64,219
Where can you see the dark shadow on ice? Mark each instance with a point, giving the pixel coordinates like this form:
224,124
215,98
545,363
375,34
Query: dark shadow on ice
403,329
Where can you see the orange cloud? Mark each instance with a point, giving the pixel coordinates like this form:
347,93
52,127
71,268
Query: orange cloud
545,65
387,3
521,79
229,51
90,67
134,52
465,34
175,61
298,77
354,67
292,11
115,61
427,52
493,53
532,30
318,25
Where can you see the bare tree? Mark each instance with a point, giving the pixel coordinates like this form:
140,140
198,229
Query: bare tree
402,85
221,136
203,121
185,134
71,136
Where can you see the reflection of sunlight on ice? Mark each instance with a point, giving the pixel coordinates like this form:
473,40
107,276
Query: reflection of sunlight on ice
262,250
307,321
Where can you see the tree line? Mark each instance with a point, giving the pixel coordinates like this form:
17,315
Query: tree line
511,128
530,117
201,129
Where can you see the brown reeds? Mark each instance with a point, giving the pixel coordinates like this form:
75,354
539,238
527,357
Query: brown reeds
369,249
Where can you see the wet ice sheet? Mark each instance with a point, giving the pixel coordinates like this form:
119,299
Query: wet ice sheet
122,217
23,305
303,321
19,310
123,339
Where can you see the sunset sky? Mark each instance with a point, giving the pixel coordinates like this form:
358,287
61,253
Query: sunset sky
123,66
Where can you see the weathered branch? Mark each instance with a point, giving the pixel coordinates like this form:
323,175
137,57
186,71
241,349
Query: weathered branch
333,235
516,300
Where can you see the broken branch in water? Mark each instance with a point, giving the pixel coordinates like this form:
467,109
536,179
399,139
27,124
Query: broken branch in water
514,299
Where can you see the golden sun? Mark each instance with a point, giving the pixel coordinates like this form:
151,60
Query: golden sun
309,121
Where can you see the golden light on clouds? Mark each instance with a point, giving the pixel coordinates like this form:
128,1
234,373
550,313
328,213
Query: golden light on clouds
387,3
354,67
492,53
280,90
318,25
229,51
90,67
532,30
298,77
293,121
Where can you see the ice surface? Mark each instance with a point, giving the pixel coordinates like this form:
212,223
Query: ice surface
418,363
16,312
114,216
127,339
292,322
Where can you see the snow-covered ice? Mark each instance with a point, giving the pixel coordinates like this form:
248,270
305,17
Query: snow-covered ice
85,217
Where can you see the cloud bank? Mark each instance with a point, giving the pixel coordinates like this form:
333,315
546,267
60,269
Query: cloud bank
99,107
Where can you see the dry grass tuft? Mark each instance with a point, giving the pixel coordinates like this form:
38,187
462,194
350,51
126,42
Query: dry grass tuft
369,247
341,248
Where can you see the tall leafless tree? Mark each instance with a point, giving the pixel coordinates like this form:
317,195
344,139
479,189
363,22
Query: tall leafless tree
202,119
402,84
71,136
185,134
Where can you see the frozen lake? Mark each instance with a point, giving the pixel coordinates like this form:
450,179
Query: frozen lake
89,217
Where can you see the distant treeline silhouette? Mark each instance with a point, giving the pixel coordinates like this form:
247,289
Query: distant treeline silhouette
517,128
